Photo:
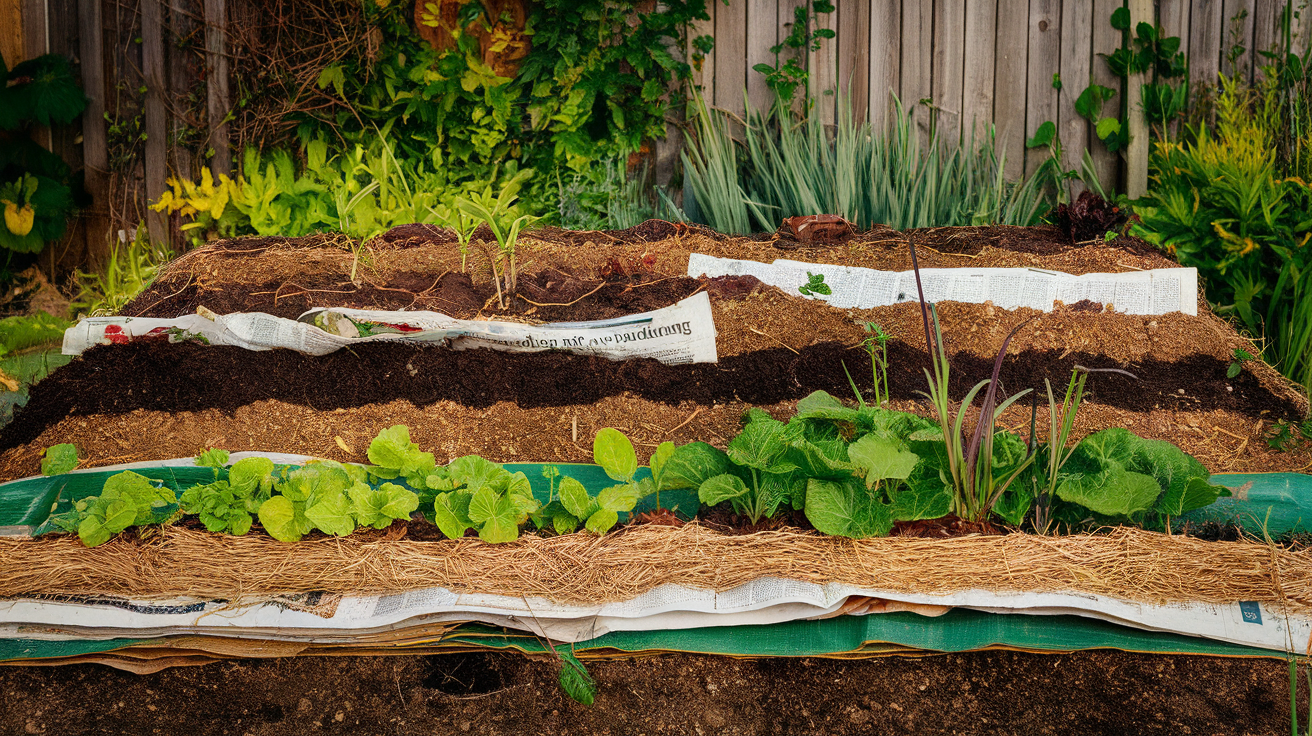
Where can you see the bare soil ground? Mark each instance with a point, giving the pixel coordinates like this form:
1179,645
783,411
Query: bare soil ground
992,692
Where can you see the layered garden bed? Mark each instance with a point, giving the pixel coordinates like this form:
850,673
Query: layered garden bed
790,499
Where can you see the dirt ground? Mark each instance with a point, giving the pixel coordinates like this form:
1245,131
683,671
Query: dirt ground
993,692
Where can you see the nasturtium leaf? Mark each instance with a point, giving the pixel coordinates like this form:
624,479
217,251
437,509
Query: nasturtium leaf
618,498
602,521
878,459
284,519
313,481
332,514
451,511
212,458
474,472
574,497
846,509
495,516
692,464
614,453
59,459
251,475
517,484
658,459
721,488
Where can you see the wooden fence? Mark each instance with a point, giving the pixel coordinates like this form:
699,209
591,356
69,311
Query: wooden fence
977,62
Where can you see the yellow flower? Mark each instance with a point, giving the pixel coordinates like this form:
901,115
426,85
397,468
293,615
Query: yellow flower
19,220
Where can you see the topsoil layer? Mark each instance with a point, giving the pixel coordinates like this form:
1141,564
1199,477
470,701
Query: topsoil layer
994,692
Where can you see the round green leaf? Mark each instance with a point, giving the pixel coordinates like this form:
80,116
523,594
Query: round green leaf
614,453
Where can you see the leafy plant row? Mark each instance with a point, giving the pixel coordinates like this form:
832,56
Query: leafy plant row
853,472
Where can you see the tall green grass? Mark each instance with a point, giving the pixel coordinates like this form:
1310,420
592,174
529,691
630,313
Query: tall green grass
781,164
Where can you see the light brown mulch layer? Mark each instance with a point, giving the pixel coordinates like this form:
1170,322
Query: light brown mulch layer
1126,564
1224,441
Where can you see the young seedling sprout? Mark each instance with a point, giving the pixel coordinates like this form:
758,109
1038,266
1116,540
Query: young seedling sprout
876,346
498,211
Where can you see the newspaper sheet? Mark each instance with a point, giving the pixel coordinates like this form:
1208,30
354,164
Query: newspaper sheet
678,334
1159,291
765,600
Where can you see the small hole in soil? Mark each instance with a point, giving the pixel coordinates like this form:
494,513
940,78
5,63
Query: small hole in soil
271,713
463,674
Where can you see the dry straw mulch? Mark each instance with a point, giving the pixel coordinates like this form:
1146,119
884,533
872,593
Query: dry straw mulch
1128,564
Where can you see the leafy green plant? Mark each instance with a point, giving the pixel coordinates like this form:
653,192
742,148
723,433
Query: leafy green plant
794,163
1061,421
1116,474
1219,204
499,212
462,225
22,332
876,346
59,459
485,497
229,505
598,514
803,36
815,285
130,269
127,499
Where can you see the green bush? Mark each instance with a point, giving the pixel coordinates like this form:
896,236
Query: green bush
1224,202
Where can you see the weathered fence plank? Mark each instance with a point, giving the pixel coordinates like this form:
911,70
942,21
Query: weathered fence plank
948,70
1011,60
1205,40
822,64
1237,20
1076,73
762,27
854,56
1105,41
885,60
216,79
731,57
977,82
155,124
1044,62
917,60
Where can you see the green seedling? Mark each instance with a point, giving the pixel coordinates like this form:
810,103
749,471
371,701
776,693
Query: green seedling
815,285
1236,366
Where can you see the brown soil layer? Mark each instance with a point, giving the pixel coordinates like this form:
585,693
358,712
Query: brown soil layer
1125,564
991,692
184,377
1223,441
246,275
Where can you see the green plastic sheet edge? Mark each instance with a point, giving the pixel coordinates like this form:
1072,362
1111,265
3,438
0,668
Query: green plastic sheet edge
959,630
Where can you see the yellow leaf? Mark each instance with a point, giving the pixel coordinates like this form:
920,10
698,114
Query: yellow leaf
19,221
9,382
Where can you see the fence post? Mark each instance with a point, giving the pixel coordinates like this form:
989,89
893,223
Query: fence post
152,69
216,83
1136,154
95,154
